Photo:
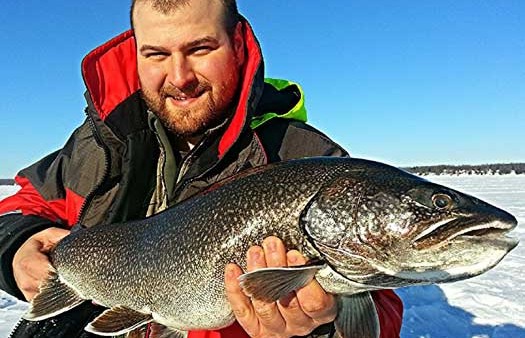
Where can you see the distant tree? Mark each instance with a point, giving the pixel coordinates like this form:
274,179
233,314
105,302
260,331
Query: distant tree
482,169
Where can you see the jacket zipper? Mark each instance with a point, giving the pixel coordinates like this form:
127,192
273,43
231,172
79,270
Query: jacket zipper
17,325
162,157
186,163
93,192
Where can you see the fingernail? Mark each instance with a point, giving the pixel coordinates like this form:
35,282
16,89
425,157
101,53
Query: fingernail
293,258
271,246
255,255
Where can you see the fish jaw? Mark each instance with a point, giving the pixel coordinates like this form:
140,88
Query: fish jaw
462,258
458,249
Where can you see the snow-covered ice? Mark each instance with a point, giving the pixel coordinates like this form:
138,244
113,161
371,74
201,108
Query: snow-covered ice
488,306
10,308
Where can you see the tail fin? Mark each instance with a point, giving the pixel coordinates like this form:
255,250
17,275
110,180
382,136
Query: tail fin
54,298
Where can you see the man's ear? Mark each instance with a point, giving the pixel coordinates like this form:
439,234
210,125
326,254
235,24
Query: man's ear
238,43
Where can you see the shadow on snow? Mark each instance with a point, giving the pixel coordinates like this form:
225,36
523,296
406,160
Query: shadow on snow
429,315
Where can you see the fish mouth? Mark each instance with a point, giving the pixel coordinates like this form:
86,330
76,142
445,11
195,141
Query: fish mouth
458,248
488,230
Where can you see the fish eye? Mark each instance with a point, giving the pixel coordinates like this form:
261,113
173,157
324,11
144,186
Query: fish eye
442,201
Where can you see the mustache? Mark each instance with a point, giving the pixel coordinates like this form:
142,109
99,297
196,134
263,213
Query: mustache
191,90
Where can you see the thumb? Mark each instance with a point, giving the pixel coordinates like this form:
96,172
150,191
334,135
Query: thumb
48,238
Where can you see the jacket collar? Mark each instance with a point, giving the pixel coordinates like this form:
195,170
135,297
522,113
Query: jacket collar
111,78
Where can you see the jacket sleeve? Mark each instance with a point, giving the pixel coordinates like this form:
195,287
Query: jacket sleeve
15,229
39,204
24,214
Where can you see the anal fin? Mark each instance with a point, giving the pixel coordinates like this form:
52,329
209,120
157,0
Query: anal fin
118,320
271,284
357,317
53,299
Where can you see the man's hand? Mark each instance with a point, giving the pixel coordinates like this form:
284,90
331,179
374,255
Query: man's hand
30,263
297,315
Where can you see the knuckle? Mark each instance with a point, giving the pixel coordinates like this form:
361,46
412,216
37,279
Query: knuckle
27,286
240,312
264,311
293,304
316,307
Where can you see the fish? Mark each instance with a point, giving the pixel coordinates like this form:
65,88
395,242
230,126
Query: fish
363,225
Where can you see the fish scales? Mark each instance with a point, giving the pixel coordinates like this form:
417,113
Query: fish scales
371,226
203,227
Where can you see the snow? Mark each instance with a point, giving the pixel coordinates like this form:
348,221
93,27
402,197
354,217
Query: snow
488,306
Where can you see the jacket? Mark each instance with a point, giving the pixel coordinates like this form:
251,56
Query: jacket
119,164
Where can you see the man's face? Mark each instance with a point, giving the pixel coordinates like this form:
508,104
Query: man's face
188,66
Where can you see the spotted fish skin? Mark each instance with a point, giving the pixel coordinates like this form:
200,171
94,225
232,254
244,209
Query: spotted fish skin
375,227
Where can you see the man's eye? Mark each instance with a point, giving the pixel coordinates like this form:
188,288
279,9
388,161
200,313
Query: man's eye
155,55
200,50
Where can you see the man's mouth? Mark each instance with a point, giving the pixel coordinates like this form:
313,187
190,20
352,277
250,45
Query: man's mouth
184,99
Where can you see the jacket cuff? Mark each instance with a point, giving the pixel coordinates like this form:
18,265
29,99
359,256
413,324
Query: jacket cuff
390,312
15,229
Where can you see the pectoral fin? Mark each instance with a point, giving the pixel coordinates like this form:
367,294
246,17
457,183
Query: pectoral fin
357,317
53,299
271,284
118,320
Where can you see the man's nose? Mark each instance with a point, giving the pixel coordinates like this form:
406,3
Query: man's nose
181,72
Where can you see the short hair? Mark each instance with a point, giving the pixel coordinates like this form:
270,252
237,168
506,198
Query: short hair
231,12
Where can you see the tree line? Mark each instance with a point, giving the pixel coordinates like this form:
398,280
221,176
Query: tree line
482,169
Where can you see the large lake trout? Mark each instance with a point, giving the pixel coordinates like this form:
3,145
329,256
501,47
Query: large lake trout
364,226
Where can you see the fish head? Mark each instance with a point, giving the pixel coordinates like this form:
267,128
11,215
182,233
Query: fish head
383,227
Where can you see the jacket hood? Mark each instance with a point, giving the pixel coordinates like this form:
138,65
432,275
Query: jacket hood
111,78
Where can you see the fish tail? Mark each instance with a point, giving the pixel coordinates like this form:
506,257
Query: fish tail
54,297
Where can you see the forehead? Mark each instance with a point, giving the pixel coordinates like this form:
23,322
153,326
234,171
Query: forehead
196,17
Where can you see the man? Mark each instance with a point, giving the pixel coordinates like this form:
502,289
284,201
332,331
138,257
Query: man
173,106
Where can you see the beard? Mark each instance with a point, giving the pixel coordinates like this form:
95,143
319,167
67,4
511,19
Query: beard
213,106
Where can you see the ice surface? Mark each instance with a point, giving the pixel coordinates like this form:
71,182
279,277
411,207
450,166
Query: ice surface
489,306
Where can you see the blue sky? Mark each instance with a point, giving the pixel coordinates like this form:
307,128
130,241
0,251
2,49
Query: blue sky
405,82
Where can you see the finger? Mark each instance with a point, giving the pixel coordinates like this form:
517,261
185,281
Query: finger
267,314
274,252
297,321
315,302
48,238
255,258
239,302
29,272
30,267
35,266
